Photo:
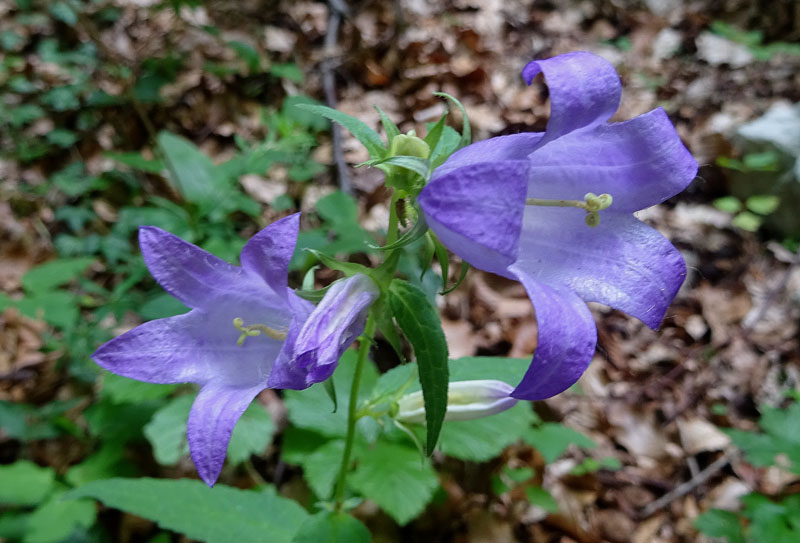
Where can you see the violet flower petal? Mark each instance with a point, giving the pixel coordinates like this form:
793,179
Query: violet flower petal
499,149
214,413
476,211
268,253
585,91
567,339
640,162
330,329
187,272
622,262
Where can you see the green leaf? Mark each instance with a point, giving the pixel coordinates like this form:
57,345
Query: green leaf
288,70
719,523
482,439
57,308
193,173
540,497
137,161
24,114
321,467
367,136
461,276
246,53
215,515
64,13
110,461
763,204
419,229
552,439
333,528
311,408
420,323
392,476
728,204
56,519
120,389
54,273
25,483
388,126
251,435
166,432
747,221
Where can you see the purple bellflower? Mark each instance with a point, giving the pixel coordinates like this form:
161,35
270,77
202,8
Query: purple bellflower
526,207
246,331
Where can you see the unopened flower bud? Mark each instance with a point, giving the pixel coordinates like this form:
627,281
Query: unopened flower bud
466,400
409,145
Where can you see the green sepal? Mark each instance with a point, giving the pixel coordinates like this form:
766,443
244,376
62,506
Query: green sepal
308,278
388,126
461,276
415,164
426,258
419,229
347,268
330,388
442,257
435,132
466,131
313,296
366,135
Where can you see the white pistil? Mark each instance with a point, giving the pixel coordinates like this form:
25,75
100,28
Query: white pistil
592,203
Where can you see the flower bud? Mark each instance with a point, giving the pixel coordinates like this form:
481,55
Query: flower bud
466,400
409,145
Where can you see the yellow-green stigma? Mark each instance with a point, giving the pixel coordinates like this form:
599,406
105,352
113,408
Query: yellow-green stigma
592,203
253,330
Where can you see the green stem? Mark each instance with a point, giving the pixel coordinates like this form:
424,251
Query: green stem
363,353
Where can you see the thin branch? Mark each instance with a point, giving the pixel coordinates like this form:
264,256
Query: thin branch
337,10
688,486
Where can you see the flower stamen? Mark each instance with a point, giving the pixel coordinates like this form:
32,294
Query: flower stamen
592,203
253,330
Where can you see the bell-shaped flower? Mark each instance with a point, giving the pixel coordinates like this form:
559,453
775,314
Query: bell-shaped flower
246,331
526,206
466,400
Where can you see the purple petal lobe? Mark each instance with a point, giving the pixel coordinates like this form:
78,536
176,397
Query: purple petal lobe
268,253
158,351
214,413
330,329
622,262
476,211
584,91
511,147
640,162
567,339
187,272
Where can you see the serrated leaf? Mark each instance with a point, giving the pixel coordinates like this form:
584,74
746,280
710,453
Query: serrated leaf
333,528
166,432
321,467
392,476
215,515
367,136
420,323
480,440
25,483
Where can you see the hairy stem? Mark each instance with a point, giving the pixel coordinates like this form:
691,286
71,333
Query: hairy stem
363,353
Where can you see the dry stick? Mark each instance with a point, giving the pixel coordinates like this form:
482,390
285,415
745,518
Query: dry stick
337,9
688,486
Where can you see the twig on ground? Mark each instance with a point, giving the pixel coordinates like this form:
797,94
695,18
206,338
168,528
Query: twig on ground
688,486
337,10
